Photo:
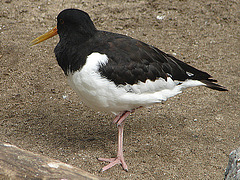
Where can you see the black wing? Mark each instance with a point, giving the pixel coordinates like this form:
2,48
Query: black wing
131,61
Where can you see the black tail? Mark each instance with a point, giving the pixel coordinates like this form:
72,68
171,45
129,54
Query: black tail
212,85
196,74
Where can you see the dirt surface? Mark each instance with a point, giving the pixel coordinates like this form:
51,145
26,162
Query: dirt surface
187,137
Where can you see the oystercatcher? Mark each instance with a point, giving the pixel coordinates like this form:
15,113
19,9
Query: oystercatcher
115,73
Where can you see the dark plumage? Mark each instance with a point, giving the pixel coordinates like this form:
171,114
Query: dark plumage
130,60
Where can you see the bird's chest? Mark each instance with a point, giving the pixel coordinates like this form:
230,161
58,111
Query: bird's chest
94,90
87,88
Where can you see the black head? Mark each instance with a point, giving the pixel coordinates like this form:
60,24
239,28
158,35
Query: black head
75,25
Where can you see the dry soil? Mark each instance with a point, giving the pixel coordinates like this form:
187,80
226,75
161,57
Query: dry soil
187,137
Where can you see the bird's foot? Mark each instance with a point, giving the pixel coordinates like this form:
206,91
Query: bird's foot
113,162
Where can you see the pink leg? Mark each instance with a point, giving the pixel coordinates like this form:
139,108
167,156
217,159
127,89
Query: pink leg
119,159
122,116
117,117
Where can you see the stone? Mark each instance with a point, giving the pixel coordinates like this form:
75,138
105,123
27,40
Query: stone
233,169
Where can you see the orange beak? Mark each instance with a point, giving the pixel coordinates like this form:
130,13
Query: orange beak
45,36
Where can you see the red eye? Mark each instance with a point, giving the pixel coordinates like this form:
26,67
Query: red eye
61,21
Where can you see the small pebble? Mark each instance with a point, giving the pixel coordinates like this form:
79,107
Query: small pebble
160,17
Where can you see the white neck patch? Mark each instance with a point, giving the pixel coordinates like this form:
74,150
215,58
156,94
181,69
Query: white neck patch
95,60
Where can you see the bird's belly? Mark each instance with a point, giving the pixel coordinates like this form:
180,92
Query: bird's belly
99,93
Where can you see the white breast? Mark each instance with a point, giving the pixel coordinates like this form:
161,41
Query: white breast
101,94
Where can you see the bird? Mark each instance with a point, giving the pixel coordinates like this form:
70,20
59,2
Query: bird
116,73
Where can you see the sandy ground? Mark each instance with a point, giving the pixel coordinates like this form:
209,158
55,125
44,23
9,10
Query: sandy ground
187,137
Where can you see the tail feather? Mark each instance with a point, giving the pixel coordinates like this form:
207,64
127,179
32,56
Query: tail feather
209,83
196,74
